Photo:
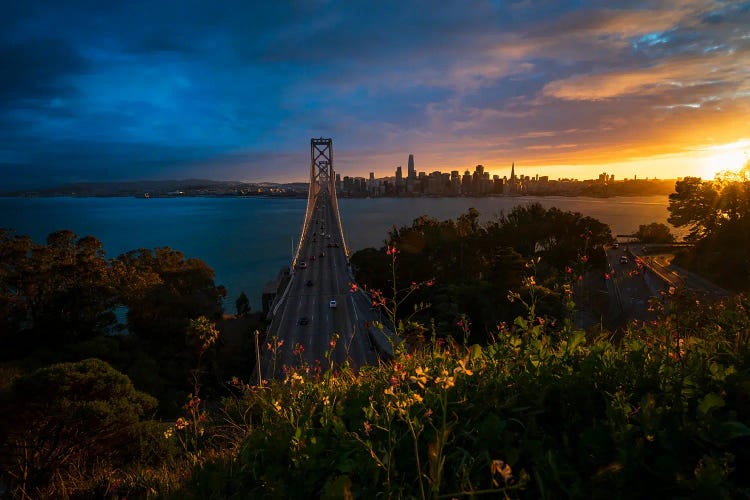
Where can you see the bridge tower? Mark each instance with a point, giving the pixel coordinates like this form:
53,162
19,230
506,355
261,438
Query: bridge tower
322,181
322,177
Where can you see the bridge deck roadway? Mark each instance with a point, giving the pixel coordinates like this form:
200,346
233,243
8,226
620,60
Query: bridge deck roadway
305,315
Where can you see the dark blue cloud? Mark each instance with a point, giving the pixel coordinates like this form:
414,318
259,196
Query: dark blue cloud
150,89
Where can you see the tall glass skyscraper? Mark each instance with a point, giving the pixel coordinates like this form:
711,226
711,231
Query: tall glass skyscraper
412,173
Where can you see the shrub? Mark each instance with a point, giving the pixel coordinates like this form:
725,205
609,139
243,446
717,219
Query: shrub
60,421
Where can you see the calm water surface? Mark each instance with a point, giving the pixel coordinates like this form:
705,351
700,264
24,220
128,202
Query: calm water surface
247,240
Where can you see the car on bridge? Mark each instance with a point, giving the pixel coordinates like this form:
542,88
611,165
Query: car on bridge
332,304
624,259
303,321
302,264
309,283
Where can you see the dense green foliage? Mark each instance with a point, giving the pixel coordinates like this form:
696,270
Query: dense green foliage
717,213
538,413
61,421
474,266
655,232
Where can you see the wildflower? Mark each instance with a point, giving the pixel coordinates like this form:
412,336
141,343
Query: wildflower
430,282
326,401
277,405
607,276
168,433
235,381
461,368
580,278
332,342
181,423
298,349
584,258
568,269
445,381
501,468
353,287
420,377
540,320
416,398
367,426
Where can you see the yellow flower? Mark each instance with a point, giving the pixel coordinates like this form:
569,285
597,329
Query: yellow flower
502,469
420,376
181,423
168,433
277,405
445,381
461,368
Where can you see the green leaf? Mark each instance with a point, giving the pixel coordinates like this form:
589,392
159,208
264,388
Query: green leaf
734,429
710,402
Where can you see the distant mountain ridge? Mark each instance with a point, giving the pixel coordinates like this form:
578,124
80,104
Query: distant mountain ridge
170,187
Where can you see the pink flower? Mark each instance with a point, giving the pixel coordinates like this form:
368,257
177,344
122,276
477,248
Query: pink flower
607,276
298,349
568,269
585,259
580,278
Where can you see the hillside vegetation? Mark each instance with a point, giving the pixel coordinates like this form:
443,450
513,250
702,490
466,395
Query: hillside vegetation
509,400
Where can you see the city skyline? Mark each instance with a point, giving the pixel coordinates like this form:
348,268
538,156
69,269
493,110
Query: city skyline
234,91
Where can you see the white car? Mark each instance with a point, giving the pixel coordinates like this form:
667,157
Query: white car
332,304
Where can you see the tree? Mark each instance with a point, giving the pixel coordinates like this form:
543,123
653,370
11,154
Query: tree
56,292
167,291
63,419
243,305
694,204
718,215
655,232
14,261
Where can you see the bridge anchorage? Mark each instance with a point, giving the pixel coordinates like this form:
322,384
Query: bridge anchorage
320,306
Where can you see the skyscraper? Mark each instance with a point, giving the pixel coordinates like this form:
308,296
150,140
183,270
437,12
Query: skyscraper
412,174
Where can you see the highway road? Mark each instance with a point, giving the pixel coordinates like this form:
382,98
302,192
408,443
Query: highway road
307,317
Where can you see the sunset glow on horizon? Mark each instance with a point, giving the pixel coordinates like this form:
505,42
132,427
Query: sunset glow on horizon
652,88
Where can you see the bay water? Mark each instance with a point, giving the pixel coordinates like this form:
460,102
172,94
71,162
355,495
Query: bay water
248,240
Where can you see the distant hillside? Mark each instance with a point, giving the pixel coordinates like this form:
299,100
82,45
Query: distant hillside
156,188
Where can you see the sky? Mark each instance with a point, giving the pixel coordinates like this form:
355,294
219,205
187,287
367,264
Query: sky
234,90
